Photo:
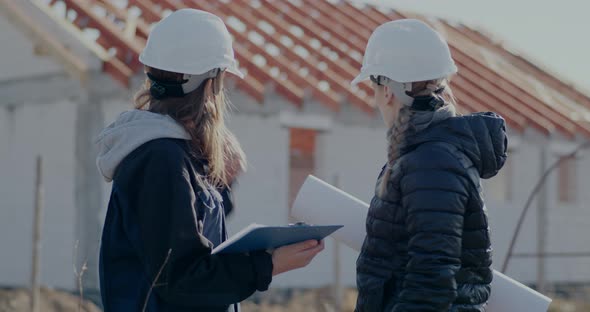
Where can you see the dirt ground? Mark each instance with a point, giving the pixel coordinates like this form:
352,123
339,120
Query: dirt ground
318,300
299,301
18,300
561,305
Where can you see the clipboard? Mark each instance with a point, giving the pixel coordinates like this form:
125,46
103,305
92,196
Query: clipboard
261,237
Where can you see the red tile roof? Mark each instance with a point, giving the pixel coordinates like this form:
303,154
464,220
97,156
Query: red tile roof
316,47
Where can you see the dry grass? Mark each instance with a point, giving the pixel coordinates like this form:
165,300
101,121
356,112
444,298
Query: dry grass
17,300
320,300
313,300
560,305
571,298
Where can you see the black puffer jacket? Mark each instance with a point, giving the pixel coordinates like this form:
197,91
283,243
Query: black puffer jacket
428,243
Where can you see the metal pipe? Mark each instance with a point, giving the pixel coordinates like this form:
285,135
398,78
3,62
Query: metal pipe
542,227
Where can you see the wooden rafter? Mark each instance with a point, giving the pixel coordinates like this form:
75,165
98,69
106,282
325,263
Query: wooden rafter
71,62
318,47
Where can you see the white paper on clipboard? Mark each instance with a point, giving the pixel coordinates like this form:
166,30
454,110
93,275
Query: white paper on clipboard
320,203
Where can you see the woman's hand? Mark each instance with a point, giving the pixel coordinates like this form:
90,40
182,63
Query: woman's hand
295,256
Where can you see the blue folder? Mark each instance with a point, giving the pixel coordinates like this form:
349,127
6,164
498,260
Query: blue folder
259,237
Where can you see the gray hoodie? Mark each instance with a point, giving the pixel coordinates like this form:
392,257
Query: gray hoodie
131,130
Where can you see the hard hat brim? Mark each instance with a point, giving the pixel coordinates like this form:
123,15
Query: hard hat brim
367,71
231,67
360,78
236,71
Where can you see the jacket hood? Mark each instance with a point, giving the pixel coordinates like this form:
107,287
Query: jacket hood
131,130
482,137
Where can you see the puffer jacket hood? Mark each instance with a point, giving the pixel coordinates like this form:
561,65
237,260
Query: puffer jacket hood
131,130
482,137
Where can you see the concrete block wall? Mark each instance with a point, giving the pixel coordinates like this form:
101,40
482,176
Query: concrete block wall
350,155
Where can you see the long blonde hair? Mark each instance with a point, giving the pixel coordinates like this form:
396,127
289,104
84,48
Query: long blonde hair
202,114
402,125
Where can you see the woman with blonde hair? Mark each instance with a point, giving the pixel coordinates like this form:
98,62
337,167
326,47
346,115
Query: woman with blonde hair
168,159
428,243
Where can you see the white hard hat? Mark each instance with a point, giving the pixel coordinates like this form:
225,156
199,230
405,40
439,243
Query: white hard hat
405,51
191,42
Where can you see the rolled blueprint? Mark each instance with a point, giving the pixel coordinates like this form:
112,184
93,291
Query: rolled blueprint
320,203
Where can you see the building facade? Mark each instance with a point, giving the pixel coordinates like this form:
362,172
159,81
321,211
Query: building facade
46,110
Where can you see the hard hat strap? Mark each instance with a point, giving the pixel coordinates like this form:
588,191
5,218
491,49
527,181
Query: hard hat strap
400,91
161,89
192,82
428,103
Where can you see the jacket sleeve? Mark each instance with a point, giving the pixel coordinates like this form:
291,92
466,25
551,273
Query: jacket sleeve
191,277
374,265
434,195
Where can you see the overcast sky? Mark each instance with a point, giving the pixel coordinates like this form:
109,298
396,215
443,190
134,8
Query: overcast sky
553,33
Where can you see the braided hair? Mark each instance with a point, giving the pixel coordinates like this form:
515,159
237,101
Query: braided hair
402,125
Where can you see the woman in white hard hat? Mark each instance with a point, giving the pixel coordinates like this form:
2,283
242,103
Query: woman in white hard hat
167,160
428,244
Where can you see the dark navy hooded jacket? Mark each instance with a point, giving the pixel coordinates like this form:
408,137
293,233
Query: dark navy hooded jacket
428,243
162,222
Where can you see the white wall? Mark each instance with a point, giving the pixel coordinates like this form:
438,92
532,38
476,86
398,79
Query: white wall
567,224
350,157
353,154
22,62
26,131
49,129
261,194
38,114
19,57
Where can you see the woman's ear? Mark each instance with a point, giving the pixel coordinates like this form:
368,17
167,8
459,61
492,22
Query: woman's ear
389,97
209,89
214,86
217,85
